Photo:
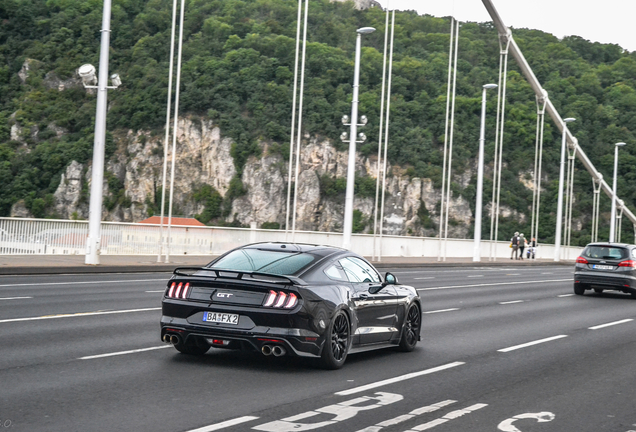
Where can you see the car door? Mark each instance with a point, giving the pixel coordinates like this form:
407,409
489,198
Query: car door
376,311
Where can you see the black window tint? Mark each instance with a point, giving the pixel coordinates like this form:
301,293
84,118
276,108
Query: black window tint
605,252
264,261
358,270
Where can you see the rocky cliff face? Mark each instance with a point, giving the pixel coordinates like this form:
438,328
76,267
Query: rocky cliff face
203,157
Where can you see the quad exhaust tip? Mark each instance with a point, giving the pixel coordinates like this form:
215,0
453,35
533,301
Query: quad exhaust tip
278,351
275,350
171,338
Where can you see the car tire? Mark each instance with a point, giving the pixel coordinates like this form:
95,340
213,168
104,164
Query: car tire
411,329
192,347
579,289
337,342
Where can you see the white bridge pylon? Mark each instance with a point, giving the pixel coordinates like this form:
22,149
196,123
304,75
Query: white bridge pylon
526,70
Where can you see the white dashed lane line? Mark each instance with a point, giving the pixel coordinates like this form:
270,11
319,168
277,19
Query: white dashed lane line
39,284
225,424
442,310
511,302
123,352
490,284
610,324
15,298
525,345
80,314
397,379
474,276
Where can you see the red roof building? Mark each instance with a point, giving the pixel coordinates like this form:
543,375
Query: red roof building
175,221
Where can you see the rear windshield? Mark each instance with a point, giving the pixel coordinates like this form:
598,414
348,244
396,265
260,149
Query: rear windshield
264,261
605,252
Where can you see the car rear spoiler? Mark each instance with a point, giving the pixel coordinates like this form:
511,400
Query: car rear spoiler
238,274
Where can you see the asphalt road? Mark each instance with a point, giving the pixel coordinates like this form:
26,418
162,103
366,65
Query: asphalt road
503,349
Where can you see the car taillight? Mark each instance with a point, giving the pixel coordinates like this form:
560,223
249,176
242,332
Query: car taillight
179,291
280,299
628,263
581,260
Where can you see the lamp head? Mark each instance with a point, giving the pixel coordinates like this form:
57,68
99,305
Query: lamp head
364,120
490,86
87,74
115,80
343,136
620,144
345,119
365,30
569,120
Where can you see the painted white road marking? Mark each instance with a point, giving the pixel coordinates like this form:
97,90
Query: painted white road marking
123,352
84,283
79,314
424,278
442,310
511,302
566,295
400,419
475,276
224,424
342,411
156,291
542,417
15,298
492,284
540,341
397,379
450,416
610,324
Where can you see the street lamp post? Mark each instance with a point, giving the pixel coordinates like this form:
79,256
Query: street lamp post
613,217
480,174
97,179
557,236
351,169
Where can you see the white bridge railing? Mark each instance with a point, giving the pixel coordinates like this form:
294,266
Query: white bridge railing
65,237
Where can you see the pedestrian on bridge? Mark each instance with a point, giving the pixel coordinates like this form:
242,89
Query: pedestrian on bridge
522,245
514,243
532,248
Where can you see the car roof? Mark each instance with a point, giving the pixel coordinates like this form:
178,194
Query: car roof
608,244
319,250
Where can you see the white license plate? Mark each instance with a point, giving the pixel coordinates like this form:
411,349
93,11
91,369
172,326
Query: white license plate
223,318
602,267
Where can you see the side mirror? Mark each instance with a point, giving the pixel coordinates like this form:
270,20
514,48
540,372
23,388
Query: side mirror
390,279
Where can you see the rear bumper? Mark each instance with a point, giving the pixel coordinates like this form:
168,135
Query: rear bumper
299,342
618,282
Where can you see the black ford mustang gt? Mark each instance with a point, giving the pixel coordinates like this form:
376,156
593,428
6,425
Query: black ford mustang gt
283,298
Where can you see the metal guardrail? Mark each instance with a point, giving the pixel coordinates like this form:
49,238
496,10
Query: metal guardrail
66,237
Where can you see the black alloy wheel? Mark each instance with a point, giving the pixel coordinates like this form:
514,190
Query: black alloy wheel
336,348
412,326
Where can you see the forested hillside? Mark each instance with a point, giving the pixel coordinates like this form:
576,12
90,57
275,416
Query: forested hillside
238,72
